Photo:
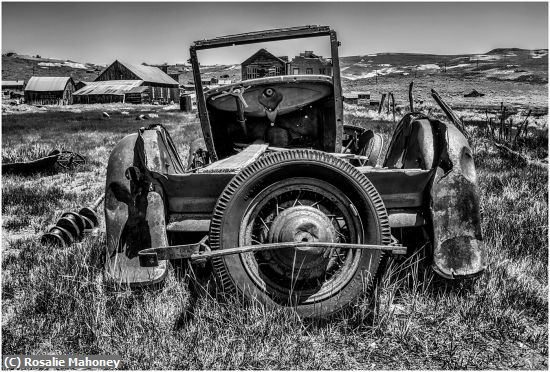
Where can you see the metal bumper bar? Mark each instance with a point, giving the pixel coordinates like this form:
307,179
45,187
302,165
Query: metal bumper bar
150,257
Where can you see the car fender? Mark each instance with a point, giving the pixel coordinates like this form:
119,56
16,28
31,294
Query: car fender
134,213
458,249
454,206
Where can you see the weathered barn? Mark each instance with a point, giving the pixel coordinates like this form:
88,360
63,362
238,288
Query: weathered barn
131,91
47,90
262,63
307,63
162,87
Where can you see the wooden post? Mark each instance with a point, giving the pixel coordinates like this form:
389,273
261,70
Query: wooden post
381,103
393,106
520,127
502,116
411,96
388,104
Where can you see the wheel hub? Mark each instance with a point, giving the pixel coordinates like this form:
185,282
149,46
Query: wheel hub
302,224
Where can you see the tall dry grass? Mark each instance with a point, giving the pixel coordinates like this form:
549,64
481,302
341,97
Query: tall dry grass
54,301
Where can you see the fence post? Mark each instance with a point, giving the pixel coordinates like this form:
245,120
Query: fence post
411,96
381,103
393,106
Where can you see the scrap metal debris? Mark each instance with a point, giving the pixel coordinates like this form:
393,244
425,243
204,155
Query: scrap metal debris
65,159
72,226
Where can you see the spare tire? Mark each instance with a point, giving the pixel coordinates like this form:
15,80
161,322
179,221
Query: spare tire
299,195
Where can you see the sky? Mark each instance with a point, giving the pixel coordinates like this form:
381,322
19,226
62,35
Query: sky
162,32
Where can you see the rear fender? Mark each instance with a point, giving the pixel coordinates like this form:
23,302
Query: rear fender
420,142
455,208
135,213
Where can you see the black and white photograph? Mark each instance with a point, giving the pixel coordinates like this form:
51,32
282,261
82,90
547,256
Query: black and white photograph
283,185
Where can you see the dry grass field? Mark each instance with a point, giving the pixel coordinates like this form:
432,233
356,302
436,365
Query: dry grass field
54,301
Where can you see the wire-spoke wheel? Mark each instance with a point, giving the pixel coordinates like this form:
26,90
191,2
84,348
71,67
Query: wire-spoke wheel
299,196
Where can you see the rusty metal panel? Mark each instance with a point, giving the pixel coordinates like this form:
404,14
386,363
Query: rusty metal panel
399,188
194,192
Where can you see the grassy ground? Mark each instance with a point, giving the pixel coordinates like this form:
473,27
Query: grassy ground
53,300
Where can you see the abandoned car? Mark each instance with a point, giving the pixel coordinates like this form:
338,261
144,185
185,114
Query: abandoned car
286,200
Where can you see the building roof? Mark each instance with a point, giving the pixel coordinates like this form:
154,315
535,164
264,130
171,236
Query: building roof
137,90
12,83
149,74
264,51
302,58
47,83
114,87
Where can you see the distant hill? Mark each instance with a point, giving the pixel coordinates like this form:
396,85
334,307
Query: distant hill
507,64
502,64
22,67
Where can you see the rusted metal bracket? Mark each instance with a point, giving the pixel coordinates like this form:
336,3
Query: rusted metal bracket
150,257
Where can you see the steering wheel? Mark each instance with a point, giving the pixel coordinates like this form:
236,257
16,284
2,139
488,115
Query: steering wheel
236,92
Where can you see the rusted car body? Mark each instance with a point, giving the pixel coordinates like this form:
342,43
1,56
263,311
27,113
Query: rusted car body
284,198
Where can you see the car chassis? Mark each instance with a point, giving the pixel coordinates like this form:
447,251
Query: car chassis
284,199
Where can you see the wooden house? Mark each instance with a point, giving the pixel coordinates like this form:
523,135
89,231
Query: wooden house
162,88
307,63
360,98
261,64
47,90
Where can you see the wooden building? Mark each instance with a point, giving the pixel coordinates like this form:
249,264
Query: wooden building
112,91
261,64
361,98
162,88
47,90
12,88
307,63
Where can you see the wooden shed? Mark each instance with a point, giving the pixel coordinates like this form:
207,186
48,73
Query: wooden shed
262,63
162,88
112,91
47,90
